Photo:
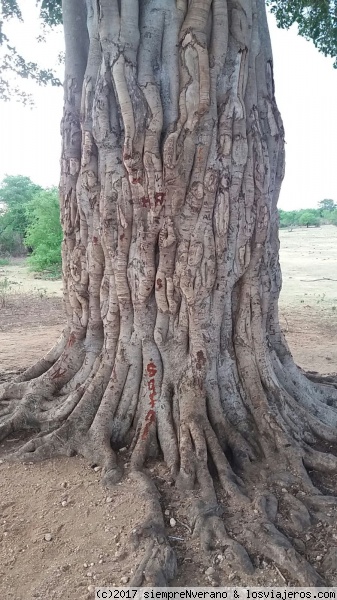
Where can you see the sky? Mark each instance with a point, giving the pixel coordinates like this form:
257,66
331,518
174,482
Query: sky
306,93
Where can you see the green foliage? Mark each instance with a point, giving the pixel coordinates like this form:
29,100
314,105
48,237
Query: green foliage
44,233
30,216
16,192
316,20
11,243
5,289
294,218
308,218
10,8
11,62
51,12
288,218
326,205
17,189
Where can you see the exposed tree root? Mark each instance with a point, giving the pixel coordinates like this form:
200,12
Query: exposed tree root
329,380
251,521
213,536
159,565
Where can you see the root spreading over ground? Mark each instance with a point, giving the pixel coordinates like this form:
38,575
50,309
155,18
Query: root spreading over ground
265,455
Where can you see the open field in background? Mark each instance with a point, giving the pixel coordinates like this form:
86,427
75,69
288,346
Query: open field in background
90,527
31,316
309,265
308,302
22,281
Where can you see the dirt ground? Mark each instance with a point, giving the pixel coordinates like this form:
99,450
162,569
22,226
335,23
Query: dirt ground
308,302
61,533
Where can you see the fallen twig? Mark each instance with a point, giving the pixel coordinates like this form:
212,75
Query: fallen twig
322,279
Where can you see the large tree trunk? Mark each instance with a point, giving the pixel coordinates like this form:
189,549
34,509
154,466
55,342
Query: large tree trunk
173,156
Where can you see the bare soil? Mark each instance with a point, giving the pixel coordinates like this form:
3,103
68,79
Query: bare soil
308,302
61,533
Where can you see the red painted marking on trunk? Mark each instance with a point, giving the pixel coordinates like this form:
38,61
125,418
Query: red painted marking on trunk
151,416
149,419
121,237
151,369
145,202
201,360
72,340
58,373
152,387
137,180
159,198
151,384
127,156
95,240
159,284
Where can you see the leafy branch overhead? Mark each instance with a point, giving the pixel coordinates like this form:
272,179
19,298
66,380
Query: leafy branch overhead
12,64
316,20
51,12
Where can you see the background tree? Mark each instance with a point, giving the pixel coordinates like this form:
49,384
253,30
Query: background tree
334,217
327,205
16,192
288,218
12,64
44,232
316,21
172,161
307,216
308,219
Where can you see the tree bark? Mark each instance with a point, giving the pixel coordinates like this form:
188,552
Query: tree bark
172,162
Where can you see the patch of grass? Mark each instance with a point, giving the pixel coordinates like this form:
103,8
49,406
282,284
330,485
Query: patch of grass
50,274
5,289
44,232
4,262
41,292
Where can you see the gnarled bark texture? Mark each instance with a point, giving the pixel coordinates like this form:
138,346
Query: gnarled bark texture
172,161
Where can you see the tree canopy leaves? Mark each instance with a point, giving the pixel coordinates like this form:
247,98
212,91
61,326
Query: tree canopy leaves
327,204
51,12
12,62
10,8
44,231
16,193
30,216
316,20
326,213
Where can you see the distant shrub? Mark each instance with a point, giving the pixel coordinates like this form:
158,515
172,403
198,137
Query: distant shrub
309,219
288,218
44,232
16,193
294,218
326,205
11,242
